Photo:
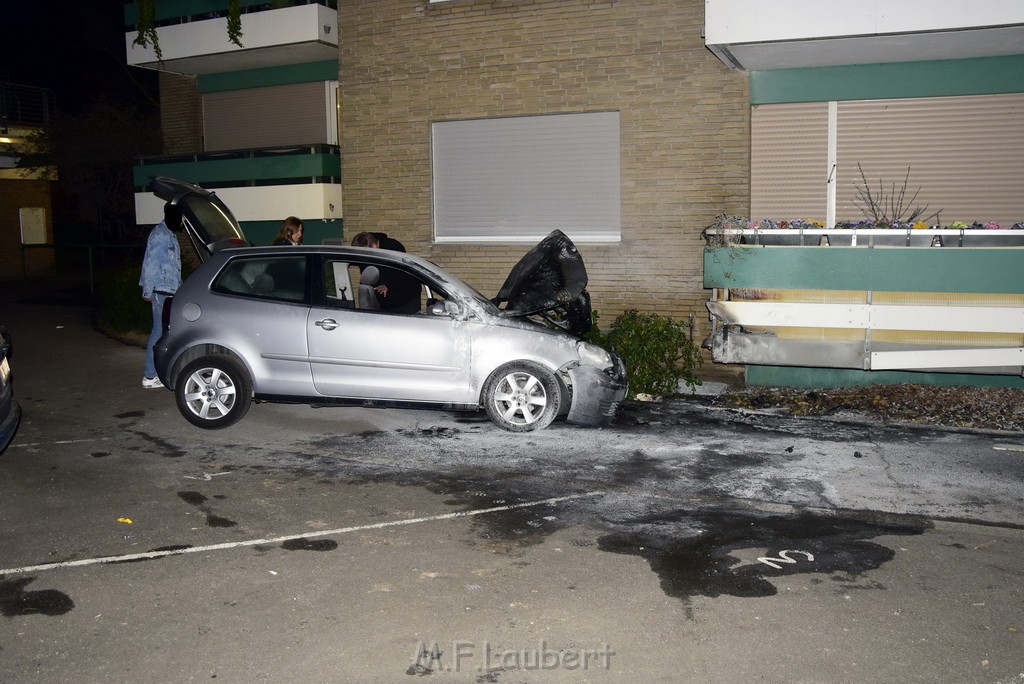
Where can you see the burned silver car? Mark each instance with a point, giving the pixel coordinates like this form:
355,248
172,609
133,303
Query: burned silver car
304,324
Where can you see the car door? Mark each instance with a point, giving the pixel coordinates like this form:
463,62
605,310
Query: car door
259,306
372,354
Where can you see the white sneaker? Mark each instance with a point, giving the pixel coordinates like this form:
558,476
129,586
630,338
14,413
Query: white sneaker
152,383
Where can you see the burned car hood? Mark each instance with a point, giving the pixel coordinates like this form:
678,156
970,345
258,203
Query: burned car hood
550,281
208,222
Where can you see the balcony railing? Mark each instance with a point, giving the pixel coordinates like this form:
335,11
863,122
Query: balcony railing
870,307
246,168
171,12
192,35
25,105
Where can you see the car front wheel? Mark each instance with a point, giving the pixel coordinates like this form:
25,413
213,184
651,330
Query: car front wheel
213,392
521,396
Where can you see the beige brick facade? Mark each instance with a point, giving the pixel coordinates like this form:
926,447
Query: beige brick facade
684,121
181,113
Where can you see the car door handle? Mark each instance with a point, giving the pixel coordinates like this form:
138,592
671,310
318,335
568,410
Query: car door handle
327,324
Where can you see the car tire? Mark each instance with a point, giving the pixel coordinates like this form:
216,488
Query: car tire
213,392
522,396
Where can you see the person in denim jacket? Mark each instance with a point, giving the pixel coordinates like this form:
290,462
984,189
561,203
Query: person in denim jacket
161,277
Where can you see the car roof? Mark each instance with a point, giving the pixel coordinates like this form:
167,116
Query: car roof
374,254
370,254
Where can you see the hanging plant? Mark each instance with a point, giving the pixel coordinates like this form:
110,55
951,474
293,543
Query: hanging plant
235,22
147,28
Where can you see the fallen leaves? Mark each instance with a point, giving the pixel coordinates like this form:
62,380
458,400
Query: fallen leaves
994,408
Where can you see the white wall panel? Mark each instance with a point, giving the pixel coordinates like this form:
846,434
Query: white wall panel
265,203
752,21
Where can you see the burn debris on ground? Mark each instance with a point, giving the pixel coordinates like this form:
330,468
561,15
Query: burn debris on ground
989,408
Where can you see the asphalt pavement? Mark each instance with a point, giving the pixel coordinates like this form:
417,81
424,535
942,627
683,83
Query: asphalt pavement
682,543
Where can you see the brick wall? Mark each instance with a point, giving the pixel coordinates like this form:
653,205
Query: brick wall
181,113
684,126
39,262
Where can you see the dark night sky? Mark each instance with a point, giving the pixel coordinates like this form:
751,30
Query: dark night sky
73,47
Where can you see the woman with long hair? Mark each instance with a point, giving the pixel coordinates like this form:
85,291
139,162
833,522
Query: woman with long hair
290,232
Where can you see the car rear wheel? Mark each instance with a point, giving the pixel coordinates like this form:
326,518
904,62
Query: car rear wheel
522,396
213,392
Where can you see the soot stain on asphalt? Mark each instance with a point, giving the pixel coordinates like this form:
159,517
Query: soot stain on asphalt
169,450
513,527
16,602
711,463
700,563
159,549
199,501
434,431
193,498
639,467
219,521
304,544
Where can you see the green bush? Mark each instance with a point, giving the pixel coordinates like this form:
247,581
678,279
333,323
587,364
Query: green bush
121,307
657,350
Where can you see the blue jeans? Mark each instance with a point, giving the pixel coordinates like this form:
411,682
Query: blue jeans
155,333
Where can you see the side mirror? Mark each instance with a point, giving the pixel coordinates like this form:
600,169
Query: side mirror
445,308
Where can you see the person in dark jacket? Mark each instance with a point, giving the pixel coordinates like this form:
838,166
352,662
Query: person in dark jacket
399,291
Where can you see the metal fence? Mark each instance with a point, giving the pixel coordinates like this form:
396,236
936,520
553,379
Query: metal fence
25,105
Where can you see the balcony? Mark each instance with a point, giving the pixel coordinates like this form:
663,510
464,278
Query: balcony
785,34
261,186
876,309
23,111
193,35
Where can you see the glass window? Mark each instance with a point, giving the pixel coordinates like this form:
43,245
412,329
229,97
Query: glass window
355,285
278,277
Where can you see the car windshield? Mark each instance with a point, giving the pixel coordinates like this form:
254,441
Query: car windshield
466,288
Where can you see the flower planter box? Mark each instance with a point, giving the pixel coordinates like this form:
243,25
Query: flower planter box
869,237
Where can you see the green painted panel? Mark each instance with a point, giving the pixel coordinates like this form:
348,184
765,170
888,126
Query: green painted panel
308,72
980,76
905,269
313,230
783,376
243,170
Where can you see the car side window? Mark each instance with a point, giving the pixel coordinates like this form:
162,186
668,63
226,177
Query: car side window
281,278
353,285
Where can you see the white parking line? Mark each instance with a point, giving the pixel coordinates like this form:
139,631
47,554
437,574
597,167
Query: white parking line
277,540
16,445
